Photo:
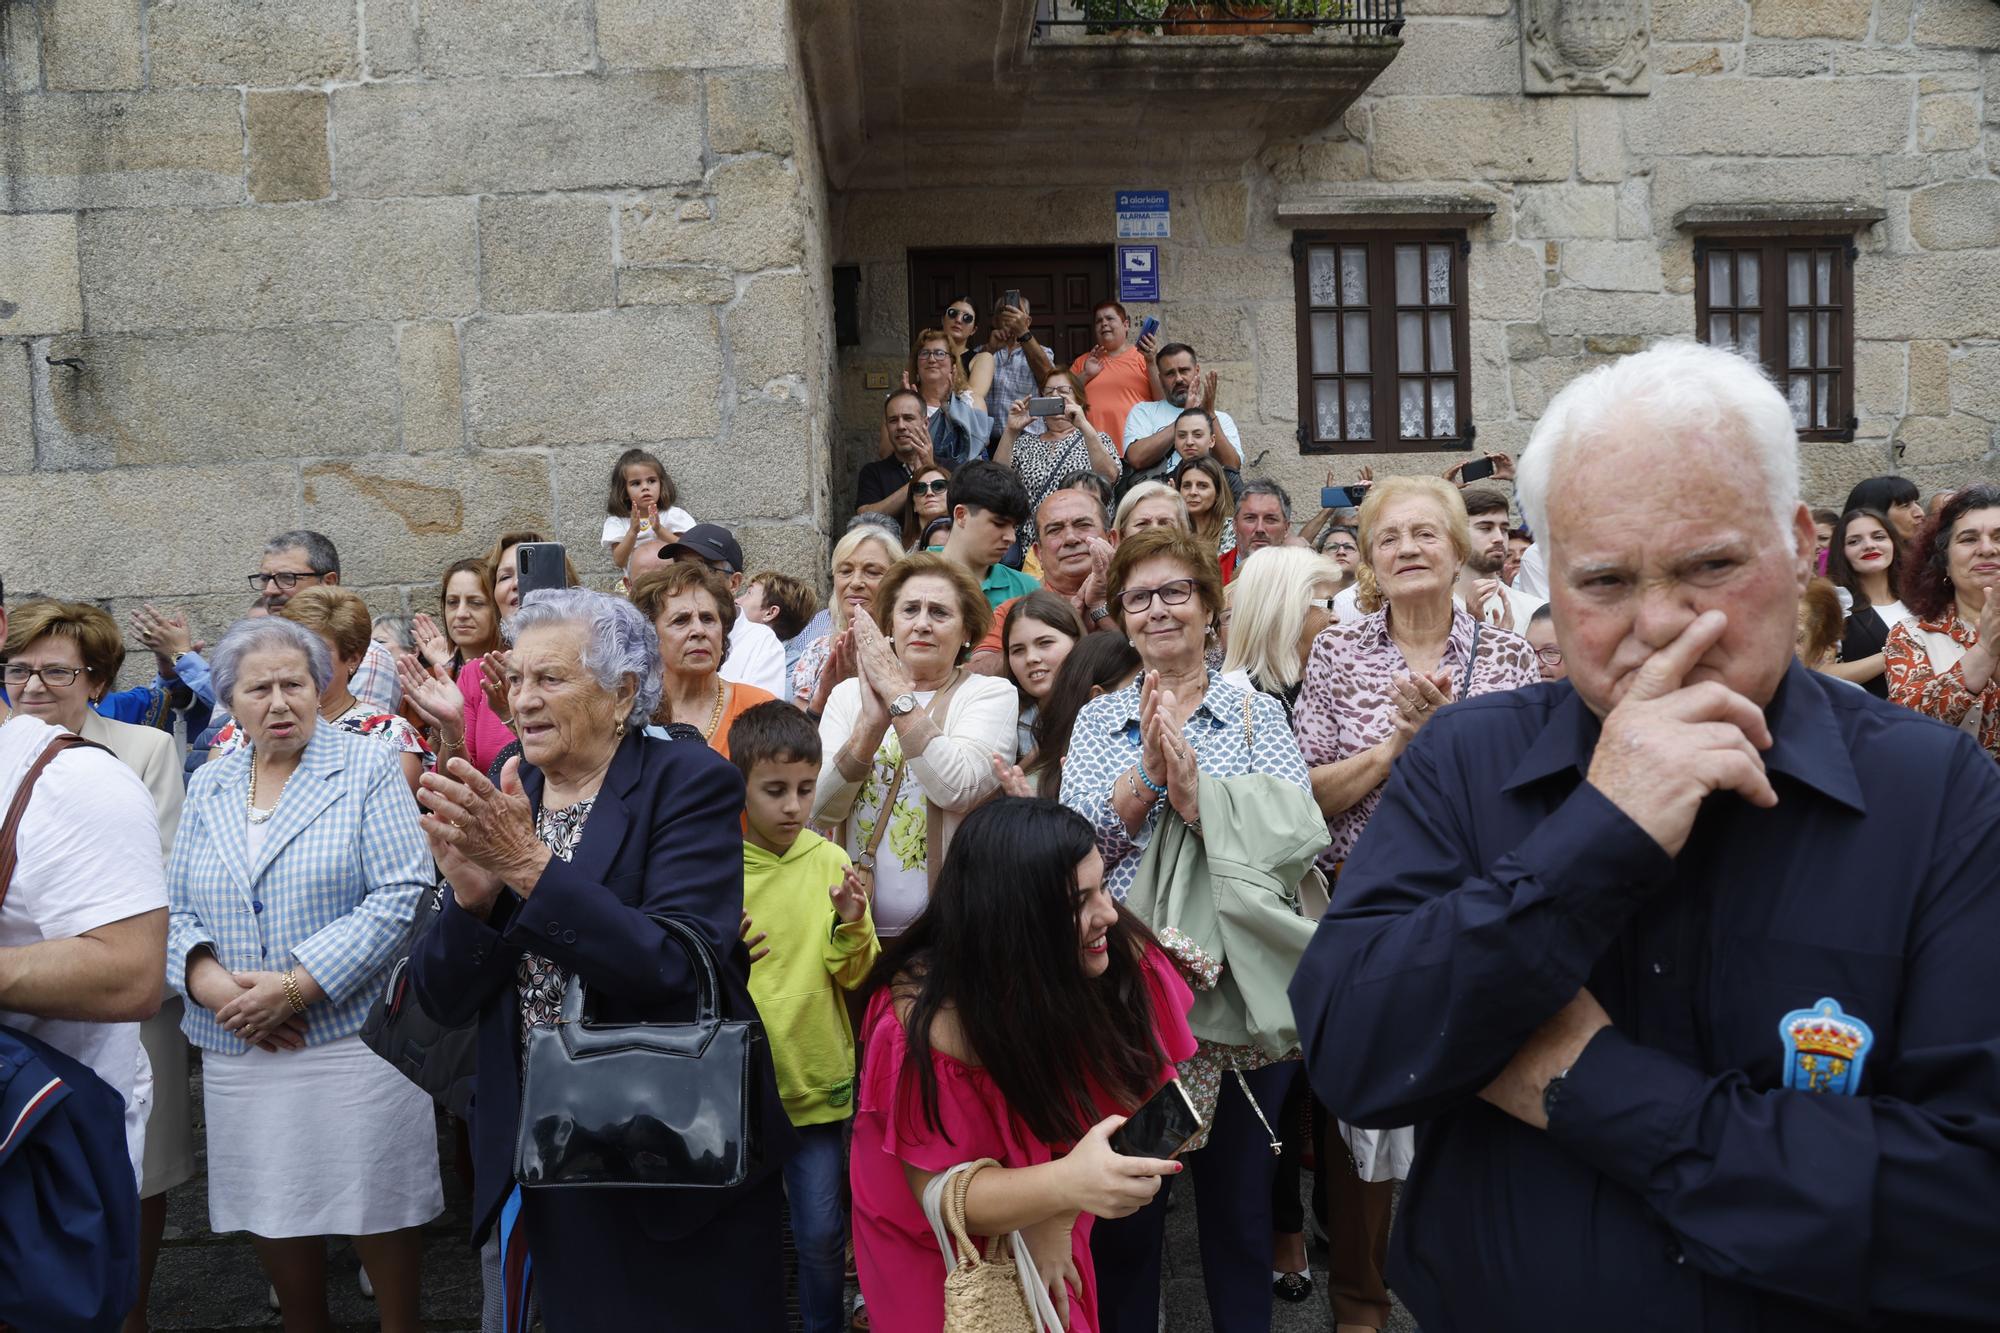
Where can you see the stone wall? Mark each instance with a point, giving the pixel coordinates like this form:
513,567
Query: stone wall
1893,104
409,272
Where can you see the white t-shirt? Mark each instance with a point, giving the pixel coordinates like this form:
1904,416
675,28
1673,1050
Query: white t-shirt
1146,418
756,657
89,848
1893,614
1532,577
676,520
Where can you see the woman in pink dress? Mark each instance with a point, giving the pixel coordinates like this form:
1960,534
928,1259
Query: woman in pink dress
1021,1017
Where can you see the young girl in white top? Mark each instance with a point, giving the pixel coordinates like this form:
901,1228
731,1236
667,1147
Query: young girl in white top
641,507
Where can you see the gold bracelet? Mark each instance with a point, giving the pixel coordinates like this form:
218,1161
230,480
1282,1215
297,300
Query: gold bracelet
293,996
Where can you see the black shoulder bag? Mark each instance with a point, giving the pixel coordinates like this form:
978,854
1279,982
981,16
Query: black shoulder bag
642,1105
436,1058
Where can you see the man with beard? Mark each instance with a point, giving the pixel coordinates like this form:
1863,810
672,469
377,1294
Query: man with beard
1149,427
883,486
1480,589
1263,518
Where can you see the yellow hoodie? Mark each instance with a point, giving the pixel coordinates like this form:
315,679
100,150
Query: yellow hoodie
799,986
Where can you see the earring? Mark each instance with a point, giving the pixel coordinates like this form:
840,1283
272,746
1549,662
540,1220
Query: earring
621,731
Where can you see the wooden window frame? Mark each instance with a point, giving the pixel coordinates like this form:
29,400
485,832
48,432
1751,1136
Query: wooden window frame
1383,372
1774,309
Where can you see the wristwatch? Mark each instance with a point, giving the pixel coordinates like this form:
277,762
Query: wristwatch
1099,614
901,704
1551,1094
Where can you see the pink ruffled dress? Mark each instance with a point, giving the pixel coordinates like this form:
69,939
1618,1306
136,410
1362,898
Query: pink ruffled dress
902,1272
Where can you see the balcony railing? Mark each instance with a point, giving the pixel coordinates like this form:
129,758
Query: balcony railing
1218,18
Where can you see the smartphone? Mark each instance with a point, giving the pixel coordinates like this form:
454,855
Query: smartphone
539,565
1479,469
1046,407
1339,497
1160,1128
1012,298
1150,326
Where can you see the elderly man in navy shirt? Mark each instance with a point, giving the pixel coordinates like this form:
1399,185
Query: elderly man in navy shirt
1687,968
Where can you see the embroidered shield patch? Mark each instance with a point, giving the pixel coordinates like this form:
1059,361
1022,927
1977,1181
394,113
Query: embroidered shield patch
1825,1048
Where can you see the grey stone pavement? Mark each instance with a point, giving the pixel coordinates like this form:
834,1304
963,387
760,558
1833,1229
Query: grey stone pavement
209,1283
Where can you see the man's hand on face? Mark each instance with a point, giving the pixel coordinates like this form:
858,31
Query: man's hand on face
1667,745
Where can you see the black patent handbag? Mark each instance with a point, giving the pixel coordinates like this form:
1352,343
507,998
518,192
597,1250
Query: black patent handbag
642,1105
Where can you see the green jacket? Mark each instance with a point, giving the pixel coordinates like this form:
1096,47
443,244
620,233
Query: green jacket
800,988
1229,899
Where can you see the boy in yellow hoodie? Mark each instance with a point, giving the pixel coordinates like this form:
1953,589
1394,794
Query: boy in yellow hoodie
802,894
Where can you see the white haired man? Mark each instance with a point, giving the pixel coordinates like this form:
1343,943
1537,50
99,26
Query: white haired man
1682,965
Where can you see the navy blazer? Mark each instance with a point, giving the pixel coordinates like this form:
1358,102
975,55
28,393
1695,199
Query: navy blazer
664,839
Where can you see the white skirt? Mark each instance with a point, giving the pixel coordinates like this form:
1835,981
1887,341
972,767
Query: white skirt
327,1141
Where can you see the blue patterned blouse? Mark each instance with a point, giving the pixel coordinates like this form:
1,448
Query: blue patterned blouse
1105,743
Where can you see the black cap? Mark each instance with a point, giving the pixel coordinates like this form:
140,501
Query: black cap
712,542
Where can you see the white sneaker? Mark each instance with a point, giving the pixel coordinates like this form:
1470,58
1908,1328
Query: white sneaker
367,1287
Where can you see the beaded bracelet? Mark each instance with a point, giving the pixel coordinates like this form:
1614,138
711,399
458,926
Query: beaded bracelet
1157,788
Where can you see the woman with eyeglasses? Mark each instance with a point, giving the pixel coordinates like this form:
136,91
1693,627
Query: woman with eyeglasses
1542,638
1136,760
1044,450
61,657
959,426
974,363
928,488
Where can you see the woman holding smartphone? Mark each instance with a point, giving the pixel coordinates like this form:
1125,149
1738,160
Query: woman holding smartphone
1047,447
1031,1054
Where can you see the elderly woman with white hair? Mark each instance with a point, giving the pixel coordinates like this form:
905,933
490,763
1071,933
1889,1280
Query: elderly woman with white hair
294,876
862,558
613,858
1151,504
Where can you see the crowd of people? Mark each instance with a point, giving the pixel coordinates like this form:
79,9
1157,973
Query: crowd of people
1390,833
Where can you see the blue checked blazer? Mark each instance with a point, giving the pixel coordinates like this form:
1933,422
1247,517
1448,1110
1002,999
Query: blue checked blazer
333,891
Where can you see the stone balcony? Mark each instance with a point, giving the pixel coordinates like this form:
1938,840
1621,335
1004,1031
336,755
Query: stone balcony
909,93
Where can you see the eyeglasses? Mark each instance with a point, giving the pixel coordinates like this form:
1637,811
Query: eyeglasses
1323,603
55,677
934,354
961,316
1344,548
287,579
1175,593
935,486
1551,654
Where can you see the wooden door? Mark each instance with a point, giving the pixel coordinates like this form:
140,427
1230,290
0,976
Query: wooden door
1060,286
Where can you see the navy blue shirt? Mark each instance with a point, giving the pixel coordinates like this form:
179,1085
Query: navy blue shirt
1681,1183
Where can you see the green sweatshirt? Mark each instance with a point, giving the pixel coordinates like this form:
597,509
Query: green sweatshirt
800,987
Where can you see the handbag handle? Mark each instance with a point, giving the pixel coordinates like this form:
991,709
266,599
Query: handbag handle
585,1038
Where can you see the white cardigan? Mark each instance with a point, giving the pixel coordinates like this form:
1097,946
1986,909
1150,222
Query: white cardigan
956,770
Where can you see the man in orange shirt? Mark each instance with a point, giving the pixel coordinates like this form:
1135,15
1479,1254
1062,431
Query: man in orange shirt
1119,377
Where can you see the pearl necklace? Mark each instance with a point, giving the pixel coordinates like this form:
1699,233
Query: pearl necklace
263,816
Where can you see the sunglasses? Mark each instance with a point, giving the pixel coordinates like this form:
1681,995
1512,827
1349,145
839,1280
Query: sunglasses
935,486
960,316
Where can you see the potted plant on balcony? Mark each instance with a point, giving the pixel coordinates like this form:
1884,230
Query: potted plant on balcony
1220,18
1122,16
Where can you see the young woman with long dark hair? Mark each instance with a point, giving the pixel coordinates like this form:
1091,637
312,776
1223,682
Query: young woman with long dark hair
1020,1017
1042,629
1102,663
1866,558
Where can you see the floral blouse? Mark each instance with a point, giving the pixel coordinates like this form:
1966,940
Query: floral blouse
1348,702
539,981
1915,682
806,671
1105,743
362,719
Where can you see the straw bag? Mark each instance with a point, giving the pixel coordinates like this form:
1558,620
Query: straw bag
1001,1293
